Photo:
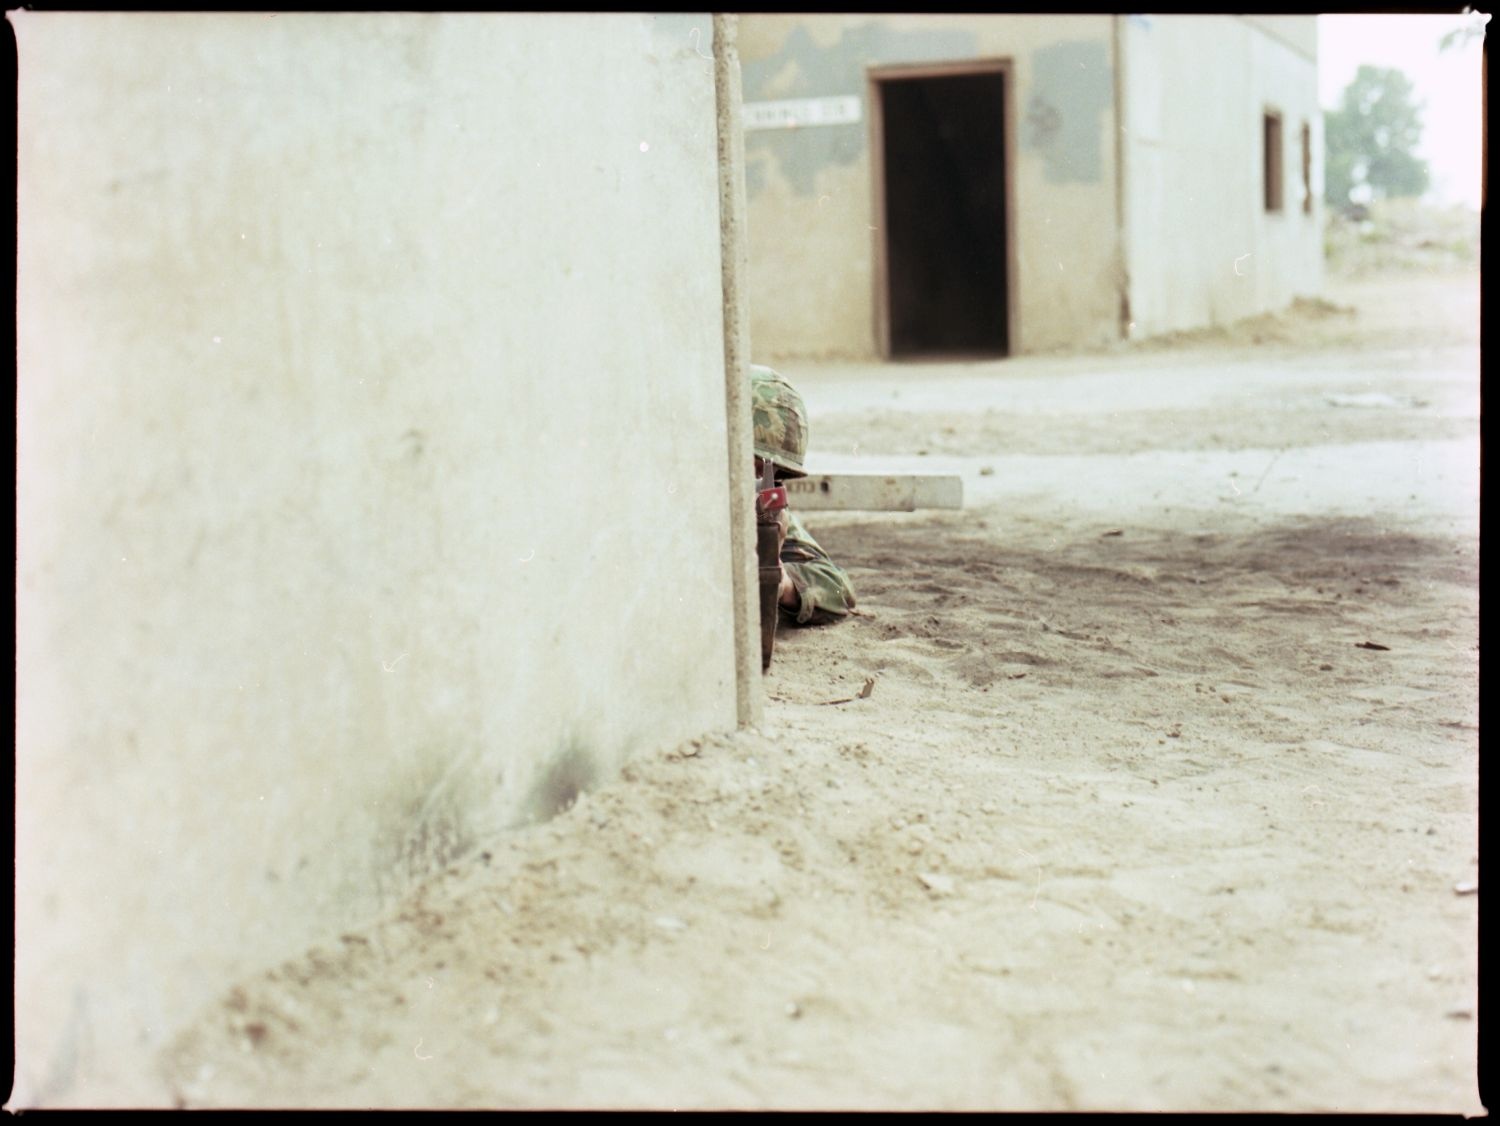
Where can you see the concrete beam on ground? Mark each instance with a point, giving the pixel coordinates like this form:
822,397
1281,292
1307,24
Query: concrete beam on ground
875,492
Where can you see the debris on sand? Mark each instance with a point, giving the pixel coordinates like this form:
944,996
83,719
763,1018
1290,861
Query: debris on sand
941,885
862,694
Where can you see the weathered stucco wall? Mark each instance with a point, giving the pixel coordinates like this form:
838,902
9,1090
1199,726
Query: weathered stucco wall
1299,33
811,199
360,359
1202,248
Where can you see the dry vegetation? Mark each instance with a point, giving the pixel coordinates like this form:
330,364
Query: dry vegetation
1403,236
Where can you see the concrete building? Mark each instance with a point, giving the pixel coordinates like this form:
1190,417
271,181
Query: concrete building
994,185
360,357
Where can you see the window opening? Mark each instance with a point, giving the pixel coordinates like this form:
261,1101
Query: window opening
1273,161
1307,196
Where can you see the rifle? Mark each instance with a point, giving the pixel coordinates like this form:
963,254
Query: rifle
769,501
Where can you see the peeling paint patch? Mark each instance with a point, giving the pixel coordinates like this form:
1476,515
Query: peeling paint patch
803,69
1072,87
755,176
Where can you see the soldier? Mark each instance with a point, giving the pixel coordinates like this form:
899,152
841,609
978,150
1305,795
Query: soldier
814,589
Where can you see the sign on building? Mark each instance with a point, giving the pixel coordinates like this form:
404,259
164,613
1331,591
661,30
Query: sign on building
793,113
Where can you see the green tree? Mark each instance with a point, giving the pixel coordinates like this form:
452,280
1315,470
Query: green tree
1461,37
1371,139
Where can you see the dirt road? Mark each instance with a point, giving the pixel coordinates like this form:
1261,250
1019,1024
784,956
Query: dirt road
1159,801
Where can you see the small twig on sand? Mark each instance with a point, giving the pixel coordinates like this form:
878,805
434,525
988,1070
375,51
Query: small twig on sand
863,694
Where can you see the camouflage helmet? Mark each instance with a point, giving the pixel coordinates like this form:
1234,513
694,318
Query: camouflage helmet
780,421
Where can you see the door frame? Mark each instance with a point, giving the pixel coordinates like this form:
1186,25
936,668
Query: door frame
874,77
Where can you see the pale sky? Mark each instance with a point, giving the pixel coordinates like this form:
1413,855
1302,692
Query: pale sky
1448,82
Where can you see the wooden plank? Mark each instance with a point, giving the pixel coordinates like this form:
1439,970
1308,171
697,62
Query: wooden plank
875,492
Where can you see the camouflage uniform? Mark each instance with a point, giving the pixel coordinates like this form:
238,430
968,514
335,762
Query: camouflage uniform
823,589
780,422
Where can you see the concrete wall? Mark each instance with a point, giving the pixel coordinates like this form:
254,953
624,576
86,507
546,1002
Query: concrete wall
361,358
810,190
1201,246
1297,33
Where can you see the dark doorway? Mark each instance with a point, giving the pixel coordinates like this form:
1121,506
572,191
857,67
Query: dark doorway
943,175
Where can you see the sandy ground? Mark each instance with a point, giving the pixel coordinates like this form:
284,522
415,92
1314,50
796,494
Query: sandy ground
1160,799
